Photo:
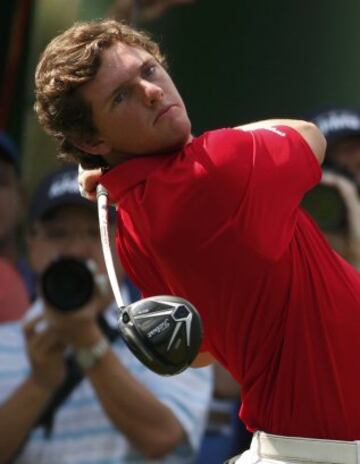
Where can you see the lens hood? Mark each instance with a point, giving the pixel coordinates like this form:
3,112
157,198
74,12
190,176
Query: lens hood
67,284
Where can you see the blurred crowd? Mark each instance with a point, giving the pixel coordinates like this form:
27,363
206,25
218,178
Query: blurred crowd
51,401
56,406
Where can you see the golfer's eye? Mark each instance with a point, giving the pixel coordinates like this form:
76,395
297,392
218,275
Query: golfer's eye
120,97
149,70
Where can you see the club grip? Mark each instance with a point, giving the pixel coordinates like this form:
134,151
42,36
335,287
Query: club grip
101,190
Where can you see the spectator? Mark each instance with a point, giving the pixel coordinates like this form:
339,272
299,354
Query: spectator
341,128
12,207
120,412
13,295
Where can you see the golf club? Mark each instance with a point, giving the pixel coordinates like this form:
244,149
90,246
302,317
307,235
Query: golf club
164,332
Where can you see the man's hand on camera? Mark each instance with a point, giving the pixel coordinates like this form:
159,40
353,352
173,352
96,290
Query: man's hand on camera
78,328
46,353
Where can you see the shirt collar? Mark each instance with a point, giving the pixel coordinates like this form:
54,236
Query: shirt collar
126,175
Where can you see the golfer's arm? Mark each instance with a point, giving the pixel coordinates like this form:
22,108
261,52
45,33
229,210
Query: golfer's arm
17,416
225,385
147,423
202,360
307,130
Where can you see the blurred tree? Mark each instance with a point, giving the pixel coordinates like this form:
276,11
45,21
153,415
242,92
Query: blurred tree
233,61
241,60
49,17
14,29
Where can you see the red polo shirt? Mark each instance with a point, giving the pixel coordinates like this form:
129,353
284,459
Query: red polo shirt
219,223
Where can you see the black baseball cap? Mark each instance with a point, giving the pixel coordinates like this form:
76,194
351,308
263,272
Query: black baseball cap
8,151
337,124
57,189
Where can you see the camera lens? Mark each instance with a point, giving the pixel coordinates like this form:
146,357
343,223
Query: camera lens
67,284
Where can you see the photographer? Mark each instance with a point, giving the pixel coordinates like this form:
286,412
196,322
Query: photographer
71,391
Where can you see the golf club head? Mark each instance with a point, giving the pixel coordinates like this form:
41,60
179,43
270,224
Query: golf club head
163,332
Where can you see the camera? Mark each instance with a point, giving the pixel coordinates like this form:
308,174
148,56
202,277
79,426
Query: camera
68,283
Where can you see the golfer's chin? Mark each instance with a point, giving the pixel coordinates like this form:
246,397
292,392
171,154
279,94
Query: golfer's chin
173,139
178,142
172,142
178,137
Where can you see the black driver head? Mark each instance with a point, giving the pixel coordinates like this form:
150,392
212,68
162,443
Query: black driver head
163,332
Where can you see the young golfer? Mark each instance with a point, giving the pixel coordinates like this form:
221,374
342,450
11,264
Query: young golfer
216,219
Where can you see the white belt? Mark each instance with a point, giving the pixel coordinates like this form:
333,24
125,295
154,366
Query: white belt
305,449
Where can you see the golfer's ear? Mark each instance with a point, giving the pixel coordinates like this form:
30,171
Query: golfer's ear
96,147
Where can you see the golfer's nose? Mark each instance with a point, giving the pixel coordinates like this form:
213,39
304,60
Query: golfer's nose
150,92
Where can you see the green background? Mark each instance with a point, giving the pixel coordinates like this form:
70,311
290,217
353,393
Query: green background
234,61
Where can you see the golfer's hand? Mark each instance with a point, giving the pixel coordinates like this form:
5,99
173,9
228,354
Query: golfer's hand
88,181
45,351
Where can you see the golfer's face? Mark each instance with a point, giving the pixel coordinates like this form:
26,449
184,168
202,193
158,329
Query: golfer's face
136,107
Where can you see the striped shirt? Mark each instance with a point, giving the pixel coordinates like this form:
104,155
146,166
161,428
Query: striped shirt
82,433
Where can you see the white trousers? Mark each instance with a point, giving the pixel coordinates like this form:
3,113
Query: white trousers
275,449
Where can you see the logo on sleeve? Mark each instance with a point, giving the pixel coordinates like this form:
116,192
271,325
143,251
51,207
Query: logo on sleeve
276,131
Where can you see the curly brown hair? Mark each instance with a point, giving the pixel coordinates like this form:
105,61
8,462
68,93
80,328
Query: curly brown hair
69,61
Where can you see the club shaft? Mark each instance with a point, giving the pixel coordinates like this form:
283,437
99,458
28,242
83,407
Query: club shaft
102,204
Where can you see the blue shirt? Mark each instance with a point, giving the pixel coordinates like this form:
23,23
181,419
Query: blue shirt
82,432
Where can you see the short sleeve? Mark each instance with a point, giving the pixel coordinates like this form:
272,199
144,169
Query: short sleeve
264,174
284,169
